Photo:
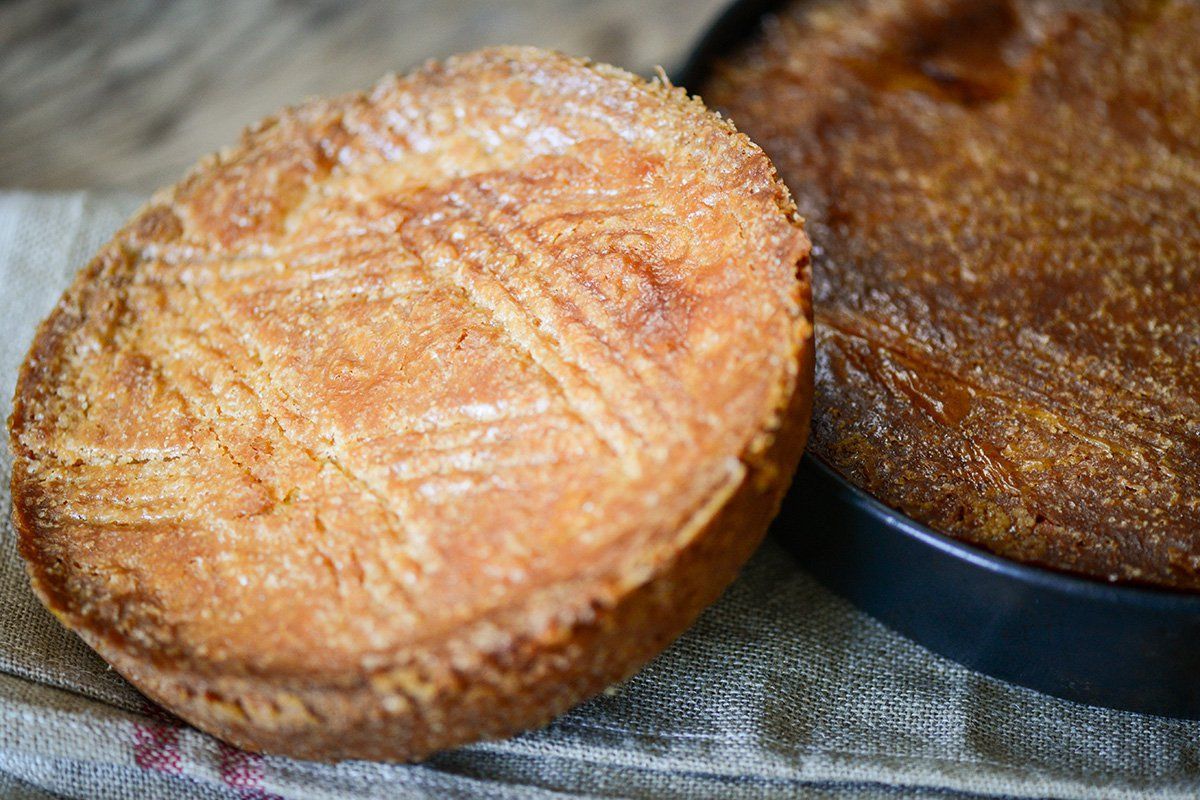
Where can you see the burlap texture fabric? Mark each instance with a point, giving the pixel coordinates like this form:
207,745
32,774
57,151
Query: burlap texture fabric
780,690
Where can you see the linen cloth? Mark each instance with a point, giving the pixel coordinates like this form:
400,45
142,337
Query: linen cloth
781,689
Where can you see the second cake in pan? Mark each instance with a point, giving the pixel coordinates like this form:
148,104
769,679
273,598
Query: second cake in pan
1005,199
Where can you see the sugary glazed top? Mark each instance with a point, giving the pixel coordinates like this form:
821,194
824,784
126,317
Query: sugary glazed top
1005,196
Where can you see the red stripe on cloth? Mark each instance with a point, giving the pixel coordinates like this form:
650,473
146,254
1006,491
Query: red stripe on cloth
243,772
156,747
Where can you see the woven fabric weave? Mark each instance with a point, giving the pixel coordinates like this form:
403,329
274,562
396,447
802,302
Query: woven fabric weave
779,690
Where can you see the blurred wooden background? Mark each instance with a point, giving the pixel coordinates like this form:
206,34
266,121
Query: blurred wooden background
128,94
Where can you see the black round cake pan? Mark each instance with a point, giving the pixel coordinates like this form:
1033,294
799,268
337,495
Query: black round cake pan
1118,646
1124,647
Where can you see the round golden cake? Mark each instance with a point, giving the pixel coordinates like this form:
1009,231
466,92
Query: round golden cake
423,414
1005,195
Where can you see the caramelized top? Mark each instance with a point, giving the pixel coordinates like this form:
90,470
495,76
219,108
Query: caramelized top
1005,198
497,335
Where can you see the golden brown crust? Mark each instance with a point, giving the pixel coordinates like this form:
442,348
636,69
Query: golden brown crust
434,707
422,414
1005,195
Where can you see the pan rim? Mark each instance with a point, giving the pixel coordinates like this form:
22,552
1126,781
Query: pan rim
1079,586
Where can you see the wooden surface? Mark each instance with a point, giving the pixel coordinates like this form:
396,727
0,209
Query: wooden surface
128,94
